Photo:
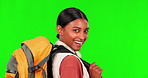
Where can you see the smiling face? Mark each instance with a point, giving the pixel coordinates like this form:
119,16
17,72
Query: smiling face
74,33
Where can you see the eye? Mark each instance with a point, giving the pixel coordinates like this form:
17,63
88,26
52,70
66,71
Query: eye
76,30
86,31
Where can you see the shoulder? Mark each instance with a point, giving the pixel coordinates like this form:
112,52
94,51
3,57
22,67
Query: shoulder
71,61
71,67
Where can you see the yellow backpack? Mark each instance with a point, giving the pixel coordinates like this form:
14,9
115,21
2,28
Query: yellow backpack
30,61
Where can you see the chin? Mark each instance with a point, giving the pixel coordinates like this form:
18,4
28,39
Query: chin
76,49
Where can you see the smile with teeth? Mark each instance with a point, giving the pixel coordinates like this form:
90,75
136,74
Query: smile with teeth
80,43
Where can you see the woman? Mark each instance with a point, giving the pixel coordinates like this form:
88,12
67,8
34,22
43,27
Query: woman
72,28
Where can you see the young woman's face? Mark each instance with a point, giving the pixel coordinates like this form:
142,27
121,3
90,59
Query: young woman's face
74,33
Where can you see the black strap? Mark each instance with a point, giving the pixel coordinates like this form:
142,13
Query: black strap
49,62
60,49
17,75
14,72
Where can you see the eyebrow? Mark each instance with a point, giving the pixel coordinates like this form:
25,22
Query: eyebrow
79,27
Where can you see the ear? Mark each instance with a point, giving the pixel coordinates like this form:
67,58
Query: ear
59,30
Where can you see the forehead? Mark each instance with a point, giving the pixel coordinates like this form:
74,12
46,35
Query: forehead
81,23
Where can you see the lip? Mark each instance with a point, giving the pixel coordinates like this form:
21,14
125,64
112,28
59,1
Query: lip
78,43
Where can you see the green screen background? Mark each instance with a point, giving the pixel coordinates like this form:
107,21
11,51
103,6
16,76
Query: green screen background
118,35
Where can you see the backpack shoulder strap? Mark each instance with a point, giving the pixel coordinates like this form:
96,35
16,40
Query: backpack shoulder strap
62,49
41,63
31,67
30,60
20,64
32,56
12,68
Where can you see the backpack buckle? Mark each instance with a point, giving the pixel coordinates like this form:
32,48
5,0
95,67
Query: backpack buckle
32,69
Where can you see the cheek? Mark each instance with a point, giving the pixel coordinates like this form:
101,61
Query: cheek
69,36
86,36
72,35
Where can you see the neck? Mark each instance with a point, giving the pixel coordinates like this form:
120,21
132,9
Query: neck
59,42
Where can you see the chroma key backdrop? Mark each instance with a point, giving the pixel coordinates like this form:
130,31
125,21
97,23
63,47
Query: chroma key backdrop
118,35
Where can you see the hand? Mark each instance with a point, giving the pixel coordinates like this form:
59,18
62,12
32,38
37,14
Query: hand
95,71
